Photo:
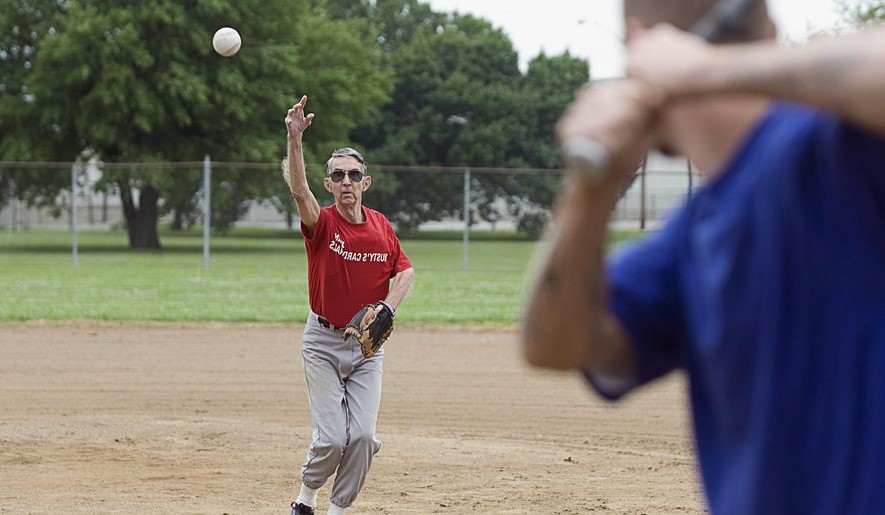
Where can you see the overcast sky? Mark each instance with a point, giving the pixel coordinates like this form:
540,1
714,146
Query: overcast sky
592,28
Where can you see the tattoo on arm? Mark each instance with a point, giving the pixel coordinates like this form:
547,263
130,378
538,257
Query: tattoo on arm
594,282
550,277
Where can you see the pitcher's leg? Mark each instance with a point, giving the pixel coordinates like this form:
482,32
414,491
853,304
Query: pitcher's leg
362,391
325,391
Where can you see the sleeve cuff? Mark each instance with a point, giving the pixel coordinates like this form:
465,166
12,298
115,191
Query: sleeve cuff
611,388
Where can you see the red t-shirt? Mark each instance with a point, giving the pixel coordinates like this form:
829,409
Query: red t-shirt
350,265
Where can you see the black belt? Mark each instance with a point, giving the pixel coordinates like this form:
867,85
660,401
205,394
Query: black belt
328,325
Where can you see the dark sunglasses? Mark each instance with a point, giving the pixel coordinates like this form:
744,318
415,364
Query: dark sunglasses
338,175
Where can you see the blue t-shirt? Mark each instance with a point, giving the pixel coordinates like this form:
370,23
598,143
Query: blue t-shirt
768,288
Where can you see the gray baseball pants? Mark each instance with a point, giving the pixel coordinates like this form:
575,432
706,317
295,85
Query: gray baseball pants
344,390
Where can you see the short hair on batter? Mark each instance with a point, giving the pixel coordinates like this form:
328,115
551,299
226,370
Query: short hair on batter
684,14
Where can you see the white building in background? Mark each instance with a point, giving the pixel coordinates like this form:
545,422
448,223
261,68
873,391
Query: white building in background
668,180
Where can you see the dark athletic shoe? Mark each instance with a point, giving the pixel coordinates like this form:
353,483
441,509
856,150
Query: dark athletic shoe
301,509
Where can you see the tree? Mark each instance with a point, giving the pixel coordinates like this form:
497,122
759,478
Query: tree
141,83
865,12
460,100
23,24
462,70
399,21
407,85
548,87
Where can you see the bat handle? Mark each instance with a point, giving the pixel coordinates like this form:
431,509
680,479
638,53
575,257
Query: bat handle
586,159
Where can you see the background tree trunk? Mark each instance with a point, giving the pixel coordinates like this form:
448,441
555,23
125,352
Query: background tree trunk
177,220
141,220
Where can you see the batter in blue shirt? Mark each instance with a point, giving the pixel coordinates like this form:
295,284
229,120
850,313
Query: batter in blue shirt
767,286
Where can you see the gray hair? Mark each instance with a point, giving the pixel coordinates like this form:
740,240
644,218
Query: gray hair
347,152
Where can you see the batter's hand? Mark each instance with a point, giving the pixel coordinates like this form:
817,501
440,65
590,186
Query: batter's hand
620,116
296,120
678,62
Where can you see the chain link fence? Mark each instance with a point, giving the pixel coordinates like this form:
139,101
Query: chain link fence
99,196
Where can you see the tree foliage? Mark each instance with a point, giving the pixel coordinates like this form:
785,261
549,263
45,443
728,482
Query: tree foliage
23,24
125,81
139,82
460,100
865,12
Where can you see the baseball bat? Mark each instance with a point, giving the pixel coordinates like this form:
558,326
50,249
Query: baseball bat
589,159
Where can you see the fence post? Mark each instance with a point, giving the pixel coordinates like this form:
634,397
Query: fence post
642,193
13,207
466,240
690,185
207,207
75,258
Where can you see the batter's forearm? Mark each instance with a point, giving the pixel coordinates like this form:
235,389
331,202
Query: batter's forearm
567,324
400,287
844,75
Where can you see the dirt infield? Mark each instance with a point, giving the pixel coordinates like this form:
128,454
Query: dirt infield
119,418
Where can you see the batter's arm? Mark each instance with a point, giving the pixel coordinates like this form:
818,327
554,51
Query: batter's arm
400,286
841,74
306,202
567,323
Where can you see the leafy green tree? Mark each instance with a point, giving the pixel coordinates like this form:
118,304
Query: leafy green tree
141,84
460,100
547,87
346,84
138,81
454,103
23,23
865,12
344,9
399,21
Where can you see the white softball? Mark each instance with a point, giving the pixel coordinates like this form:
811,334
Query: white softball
226,41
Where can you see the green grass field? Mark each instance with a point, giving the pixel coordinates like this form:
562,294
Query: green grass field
254,276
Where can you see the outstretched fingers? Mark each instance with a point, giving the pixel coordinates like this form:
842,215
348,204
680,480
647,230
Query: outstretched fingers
296,120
